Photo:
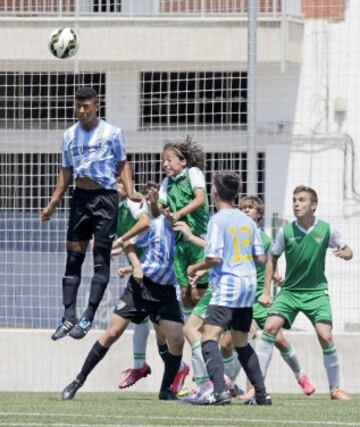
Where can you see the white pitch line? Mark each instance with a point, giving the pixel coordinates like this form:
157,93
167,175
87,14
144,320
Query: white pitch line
157,418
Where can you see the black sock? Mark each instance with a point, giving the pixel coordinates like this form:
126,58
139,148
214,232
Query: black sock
93,358
163,351
172,365
99,280
214,364
71,282
250,363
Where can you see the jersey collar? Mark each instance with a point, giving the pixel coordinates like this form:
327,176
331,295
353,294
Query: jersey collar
309,230
183,173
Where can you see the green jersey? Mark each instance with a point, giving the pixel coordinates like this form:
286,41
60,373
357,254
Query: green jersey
260,269
305,252
178,192
128,214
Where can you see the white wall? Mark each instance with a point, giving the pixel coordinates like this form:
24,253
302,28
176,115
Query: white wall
32,362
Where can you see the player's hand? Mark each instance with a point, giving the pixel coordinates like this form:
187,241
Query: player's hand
278,279
124,271
254,330
265,300
116,251
184,229
339,253
136,197
47,212
138,273
152,195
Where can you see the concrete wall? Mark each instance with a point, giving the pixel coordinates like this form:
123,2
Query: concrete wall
30,361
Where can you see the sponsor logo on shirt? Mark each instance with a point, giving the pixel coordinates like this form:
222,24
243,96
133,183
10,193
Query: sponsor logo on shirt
318,238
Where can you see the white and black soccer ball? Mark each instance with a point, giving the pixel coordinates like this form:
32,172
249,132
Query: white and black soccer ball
64,42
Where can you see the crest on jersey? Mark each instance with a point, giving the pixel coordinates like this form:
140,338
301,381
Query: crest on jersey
318,238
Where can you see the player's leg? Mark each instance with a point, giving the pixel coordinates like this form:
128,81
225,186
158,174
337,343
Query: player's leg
265,345
217,319
140,369
104,217
316,306
113,332
248,359
231,363
70,285
282,312
192,331
331,361
288,354
78,235
175,339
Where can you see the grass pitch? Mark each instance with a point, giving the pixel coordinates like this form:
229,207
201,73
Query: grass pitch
144,409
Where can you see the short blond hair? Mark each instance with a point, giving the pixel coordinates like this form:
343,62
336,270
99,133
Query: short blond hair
306,189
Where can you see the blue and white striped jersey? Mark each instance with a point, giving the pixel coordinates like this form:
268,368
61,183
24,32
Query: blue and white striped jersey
158,259
235,239
94,154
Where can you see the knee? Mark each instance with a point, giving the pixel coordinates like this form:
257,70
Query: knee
111,335
326,339
102,263
271,328
226,347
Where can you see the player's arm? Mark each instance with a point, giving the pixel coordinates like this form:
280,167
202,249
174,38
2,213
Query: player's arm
270,268
129,249
197,202
199,269
124,170
141,225
188,235
340,248
63,181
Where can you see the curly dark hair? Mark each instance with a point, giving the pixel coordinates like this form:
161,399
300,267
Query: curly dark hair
188,150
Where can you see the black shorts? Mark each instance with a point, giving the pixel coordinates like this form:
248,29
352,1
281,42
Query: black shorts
93,212
238,319
149,299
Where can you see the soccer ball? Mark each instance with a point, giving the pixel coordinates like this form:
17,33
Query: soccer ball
64,43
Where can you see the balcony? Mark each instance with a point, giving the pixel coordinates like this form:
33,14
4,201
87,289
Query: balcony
267,9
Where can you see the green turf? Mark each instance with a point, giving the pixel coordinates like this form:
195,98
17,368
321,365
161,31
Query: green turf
144,409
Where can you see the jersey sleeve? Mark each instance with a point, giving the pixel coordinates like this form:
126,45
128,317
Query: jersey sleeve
119,146
65,154
197,179
214,241
336,241
141,239
278,246
258,248
136,208
163,195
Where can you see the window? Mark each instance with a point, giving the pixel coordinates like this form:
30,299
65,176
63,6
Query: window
193,99
27,180
105,6
43,100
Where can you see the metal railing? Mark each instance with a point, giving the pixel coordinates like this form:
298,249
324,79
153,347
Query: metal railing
147,8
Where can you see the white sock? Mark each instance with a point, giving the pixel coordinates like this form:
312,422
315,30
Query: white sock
265,348
200,372
291,359
232,366
331,363
140,337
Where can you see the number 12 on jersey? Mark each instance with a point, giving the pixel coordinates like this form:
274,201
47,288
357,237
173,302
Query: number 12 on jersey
241,238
